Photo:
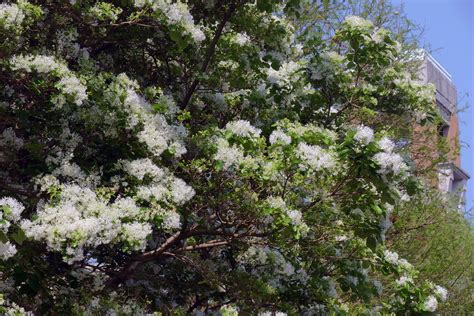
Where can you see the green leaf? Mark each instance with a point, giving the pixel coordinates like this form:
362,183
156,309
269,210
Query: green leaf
19,237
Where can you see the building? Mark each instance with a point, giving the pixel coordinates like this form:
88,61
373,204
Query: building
451,177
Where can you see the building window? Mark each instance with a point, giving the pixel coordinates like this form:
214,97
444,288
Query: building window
443,130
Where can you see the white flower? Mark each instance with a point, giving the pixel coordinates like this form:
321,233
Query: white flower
155,133
386,145
136,234
127,206
441,292
403,280
157,191
196,34
314,157
153,138
181,192
284,75
295,216
357,22
391,257
276,202
364,134
14,208
430,304
177,14
404,263
69,84
81,218
230,156
278,136
390,162
140,168
241,39
243,128
46,181
7,250
72,86
11,15
171,220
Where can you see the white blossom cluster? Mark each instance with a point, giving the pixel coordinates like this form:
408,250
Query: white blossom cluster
243,128
181,192
170,104
171,221
278,136
10,212
68,84
379,35
388,160
161,183
175,13
230,156
161,186
404,279
357,22
431,304
295,216
393,258
386,144
364,134
82,219
61,161
67,170
285,74
140,168
441,292
7,250
241,39
11,308
314,157
155,132
11,15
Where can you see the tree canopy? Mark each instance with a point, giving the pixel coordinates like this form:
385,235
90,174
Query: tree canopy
203,157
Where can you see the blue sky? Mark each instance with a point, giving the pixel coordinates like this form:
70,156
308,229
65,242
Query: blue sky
449,32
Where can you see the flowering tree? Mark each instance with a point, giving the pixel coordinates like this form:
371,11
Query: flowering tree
177,157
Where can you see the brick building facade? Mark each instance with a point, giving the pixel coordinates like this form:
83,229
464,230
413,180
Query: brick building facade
451,177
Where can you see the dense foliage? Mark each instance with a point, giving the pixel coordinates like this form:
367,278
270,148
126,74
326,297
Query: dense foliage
206,156
434,236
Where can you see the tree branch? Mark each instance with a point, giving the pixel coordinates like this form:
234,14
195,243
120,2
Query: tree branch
132,265
129,268
210,52
6,187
